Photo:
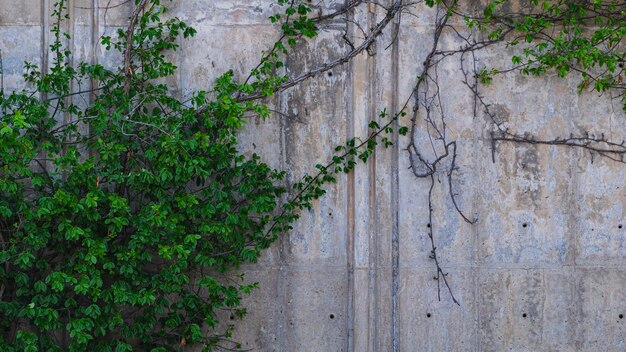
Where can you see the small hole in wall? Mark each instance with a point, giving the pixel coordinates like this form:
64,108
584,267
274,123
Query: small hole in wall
619,226
428,315
524,225
332,316
330,74
524,315
428,225
621,316
232,317
330,214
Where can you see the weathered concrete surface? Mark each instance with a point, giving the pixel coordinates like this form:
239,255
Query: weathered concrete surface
543,269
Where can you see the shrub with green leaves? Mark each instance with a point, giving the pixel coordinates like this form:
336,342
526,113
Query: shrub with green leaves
120,217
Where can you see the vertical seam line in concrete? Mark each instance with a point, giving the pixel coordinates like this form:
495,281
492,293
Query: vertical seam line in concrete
372,223
282,275
70,45
44,38
95,42
95,36
44,55
574,230
574,246
181,67
395,189
476,202
95,30
350,224
476,270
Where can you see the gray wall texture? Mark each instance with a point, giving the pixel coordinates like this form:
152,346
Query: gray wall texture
543,268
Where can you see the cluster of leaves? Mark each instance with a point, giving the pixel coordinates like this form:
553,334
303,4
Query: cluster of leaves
561,35
120,216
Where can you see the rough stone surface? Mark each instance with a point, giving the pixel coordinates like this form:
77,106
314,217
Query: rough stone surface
543,269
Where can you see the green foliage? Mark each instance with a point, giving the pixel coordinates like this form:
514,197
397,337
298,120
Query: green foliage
563,36
485,76
119,218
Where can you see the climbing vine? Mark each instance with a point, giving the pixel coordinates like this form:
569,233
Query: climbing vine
119,215
542,37
121,212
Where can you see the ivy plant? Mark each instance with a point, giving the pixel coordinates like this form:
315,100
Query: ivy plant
563,36
120,216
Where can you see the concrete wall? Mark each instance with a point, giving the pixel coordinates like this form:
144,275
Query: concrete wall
543,268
